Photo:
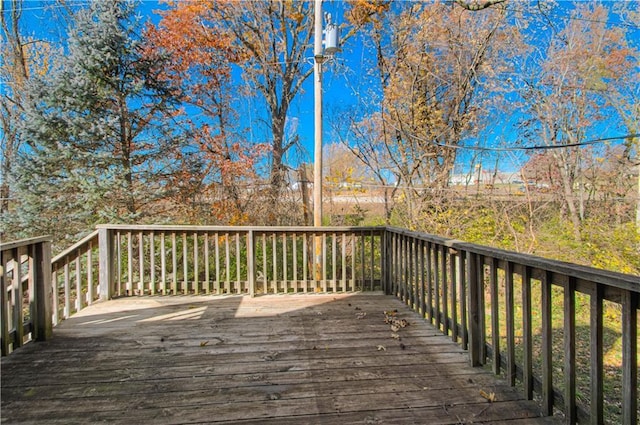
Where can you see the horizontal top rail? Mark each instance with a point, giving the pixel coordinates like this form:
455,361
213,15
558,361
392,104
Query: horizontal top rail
269,229
72,248
24,242
610,278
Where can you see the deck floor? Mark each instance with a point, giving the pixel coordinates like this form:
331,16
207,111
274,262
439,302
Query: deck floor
283,359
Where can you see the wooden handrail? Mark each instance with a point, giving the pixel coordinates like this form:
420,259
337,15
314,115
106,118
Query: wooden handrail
93,236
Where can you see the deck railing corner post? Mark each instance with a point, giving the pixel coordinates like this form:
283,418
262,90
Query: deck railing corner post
106,261
43,297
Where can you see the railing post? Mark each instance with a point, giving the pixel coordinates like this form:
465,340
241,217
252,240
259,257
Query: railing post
629,357
43,296
473,281
251,264
4,311
385,261
105,262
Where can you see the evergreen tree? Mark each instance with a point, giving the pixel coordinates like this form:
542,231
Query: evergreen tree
98,146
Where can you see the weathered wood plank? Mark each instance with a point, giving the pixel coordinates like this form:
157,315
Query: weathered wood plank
268,359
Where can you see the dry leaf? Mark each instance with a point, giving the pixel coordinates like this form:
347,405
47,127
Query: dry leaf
491,397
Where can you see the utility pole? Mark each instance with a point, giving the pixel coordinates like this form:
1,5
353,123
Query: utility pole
331,46
318,59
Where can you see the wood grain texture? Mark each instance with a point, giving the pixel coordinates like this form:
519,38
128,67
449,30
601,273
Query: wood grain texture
285,359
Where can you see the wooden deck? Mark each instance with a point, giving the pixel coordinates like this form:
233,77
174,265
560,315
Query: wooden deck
282,359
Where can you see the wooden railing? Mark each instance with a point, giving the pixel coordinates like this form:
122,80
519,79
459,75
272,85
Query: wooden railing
545,325
540,323
25,292
75,277
238,260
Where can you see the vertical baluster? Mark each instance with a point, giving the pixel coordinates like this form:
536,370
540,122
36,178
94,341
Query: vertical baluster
163,264
597,359
510,313
324,262
527,372
334,266
78,303
54,286
174,260
67,289
362,261
436,284
31,291
227,282
402,268
251,264
265,277
353,260
238,289
284,263
410,275
274,255
119,262
430,271
629,303
6,301
207,271
196,266
453,259
547,345
569,352
129,290
464,288
445,290
141,263
416,271
217,252
90,282
421,273
495,322
474,278
294,242
372,262
343,261
305,262
152,263
185,264
18,317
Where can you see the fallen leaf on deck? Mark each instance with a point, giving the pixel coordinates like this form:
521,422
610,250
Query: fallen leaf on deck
491,397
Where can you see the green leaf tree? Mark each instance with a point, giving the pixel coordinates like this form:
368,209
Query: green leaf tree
97,148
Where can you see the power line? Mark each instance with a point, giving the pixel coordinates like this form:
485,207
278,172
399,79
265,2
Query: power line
530,148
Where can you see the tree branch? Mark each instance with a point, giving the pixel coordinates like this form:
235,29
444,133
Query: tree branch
476,5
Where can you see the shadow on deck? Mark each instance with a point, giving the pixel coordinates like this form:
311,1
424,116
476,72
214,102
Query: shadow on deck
285,359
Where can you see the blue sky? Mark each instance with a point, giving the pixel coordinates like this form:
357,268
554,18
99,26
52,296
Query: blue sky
343,82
